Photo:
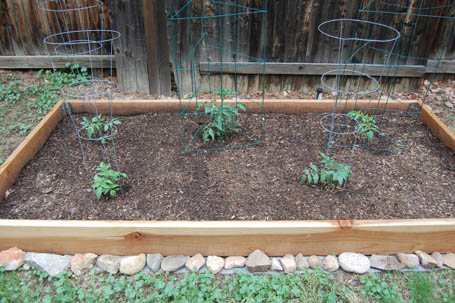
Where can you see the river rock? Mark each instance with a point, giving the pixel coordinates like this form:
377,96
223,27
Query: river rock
109,263
51,264
330,263
288,263
385,262
354,262
276,266
408,260
438,258
195,263
301,262
234,262
449,260
82,263
314,261
173,263
258,261
132,265
215,264
154,261
426,260
12,258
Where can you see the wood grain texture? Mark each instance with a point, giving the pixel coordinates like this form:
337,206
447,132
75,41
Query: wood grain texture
229,238
298,68
438,128
39,61
11,168
288,106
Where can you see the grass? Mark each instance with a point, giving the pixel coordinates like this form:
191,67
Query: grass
34,286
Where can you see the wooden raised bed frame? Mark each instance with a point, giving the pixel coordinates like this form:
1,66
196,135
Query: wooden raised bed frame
221,237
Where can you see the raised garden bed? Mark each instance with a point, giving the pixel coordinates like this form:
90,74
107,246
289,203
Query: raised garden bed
432,198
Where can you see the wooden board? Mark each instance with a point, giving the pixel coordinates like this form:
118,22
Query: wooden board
229,238
438,128
11,168
284,106
30,62
300,68
216,238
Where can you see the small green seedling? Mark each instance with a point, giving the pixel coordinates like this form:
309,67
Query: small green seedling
223,119
11,94
106,181
330,173
99,125
367,125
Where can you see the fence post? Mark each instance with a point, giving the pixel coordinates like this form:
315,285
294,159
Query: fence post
142,57
157,47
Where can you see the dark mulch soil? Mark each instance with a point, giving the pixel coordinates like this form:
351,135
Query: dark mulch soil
254,183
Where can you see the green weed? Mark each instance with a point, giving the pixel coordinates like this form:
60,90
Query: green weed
421,288
11,94
376,287
21,128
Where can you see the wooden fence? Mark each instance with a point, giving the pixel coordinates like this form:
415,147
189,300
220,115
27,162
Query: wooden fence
144,51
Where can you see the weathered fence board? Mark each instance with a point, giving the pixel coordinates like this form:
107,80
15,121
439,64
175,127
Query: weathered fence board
292,36
40,61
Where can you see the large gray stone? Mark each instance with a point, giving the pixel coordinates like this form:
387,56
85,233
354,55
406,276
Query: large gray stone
195,263
154,261
354,262
385,262
234,262
301,262
173,263
258,261
408,260
288,263
132,265
109,263
51,264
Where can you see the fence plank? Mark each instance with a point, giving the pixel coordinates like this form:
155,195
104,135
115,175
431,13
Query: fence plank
273,68
30,62
157,47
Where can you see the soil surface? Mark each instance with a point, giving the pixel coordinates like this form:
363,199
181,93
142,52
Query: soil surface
262,182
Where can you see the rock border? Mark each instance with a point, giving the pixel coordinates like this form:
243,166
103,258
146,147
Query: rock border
257,262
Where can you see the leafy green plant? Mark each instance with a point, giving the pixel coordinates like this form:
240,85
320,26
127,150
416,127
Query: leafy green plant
98,124
223,119
21,128
330,173
12,93
106,181
367,125
375,287
55,79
